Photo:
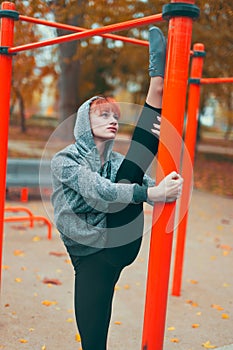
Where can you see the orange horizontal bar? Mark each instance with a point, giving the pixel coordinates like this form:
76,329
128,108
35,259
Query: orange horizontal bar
18,209
80,29
216,80
90,32
26,218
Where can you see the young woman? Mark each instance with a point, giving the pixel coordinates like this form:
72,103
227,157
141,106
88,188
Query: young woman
98,196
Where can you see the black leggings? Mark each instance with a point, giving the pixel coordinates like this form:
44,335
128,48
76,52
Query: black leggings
97,274
95,279
125,226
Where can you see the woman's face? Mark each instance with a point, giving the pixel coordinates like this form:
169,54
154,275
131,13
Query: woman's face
104,122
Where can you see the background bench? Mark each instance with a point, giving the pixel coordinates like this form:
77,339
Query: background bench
27,173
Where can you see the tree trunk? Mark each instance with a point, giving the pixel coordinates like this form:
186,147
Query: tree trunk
21,111
69,81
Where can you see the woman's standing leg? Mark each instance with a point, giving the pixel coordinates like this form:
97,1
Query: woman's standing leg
125,226
95,280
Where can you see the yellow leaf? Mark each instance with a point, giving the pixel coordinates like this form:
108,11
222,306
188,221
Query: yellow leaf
36,239
23,341
68,261
226,285
48,303
77,337
171,328
126,286
43,347
225,253
195,325
5,267
31,329
18,280
225,316
117,287
118,322
208,345
70,320
18,252
174,340
198,313
193,281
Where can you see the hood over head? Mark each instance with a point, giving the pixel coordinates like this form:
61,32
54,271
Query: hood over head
84,139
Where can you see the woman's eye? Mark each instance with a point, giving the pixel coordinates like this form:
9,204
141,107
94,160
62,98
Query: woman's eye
105,115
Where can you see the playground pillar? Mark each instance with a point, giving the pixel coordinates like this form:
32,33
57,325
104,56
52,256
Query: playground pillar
187,173
175,85
6,40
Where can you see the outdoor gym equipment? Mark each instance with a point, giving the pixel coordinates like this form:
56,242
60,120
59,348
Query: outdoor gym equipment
180,16
195,82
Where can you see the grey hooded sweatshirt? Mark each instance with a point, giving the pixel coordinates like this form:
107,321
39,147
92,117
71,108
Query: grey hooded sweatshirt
83,188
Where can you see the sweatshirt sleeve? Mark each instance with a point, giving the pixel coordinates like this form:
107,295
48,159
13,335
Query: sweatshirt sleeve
91,185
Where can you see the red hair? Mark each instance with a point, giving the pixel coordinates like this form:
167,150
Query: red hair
106,103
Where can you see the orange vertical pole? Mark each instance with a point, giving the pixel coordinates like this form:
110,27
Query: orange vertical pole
6,40
190,143
175,85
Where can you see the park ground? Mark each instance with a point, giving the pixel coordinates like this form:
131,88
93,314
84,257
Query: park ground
37,281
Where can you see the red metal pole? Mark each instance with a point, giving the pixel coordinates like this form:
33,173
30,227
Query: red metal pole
187,163
216,80
91,32
79,29
175,86
6,39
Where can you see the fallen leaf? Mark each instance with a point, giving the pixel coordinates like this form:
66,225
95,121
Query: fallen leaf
118,322
195,325
225,221
70,320
217,307
36,239
126,286
19,252
193,281
58,254
174,340
225,316
23,341
225,247
77,337
5,267
48,302
7,305
225,253
208,345
43,347
117,287
226,285
171,328
52,281
194,304
18,280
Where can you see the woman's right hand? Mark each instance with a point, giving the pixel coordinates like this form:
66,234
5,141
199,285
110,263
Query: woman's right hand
168,190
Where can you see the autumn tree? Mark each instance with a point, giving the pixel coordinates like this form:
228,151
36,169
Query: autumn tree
28,70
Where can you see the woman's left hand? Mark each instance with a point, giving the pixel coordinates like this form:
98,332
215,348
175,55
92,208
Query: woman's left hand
156,126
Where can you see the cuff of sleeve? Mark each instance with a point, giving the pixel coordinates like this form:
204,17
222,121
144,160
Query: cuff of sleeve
139,193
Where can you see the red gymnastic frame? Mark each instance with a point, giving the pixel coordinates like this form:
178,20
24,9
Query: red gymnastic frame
180,16
195,82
